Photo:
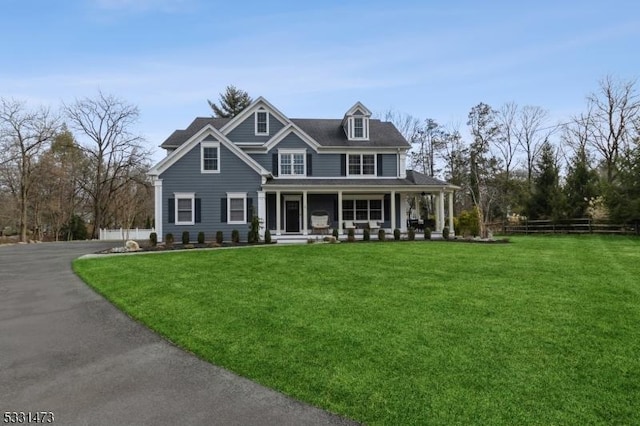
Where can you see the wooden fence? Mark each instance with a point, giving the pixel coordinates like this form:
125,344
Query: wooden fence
570,226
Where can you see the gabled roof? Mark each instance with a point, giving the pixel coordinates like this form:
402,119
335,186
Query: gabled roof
178,137
329,133
358,106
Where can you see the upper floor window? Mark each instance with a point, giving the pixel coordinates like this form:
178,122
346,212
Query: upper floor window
292,163
358,128
262,123
362,164
210,157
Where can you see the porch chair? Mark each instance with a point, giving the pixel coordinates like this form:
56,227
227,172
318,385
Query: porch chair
320,222
348,224
374,225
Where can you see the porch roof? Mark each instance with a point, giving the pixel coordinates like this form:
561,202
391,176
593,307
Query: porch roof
414,181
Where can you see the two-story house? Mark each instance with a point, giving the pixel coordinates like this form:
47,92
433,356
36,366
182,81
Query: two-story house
218,172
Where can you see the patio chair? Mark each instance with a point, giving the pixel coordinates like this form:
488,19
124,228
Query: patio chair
320,223
348,224
374,225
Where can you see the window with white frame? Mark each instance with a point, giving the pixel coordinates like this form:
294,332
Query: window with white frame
292,163
262,123
210,155
362,164
358,128
185,208
237,208
362,209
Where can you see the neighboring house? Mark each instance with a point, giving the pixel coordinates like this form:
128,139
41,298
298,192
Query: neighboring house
218,172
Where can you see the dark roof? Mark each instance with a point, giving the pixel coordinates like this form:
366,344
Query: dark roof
179,137
413,178
327,132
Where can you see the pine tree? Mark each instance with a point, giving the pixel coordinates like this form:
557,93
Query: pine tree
581,185
547,201
232,102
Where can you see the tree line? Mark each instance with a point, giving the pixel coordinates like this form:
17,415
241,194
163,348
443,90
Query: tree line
517,164
80,165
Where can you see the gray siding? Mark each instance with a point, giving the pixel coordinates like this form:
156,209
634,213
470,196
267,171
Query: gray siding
185,176
389,165
246,131
326,165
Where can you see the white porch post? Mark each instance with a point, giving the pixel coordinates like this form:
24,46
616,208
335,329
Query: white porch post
340,227
157,183
441,210
451,231
305,231
393,211
278,213
403,212
262,212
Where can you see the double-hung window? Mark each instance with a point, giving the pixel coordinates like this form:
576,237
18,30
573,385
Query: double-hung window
185,208
362,164
210,155
236,208
362,209
292,163
358,128
262,123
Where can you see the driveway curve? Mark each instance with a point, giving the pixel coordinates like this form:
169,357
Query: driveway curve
65,349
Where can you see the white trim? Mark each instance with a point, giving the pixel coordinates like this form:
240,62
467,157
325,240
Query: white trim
358,106
297,198
351,124
255,114
362,175
292,152
157,184
186,147
286,131
238,119
208,144
368,198
236,195
185,196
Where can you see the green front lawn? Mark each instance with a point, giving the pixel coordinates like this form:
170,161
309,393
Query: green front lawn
542,331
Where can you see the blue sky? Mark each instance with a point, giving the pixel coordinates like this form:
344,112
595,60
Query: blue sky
433,59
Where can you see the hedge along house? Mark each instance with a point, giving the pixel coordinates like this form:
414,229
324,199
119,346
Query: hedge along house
219,172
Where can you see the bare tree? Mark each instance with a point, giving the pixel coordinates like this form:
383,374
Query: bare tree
113,149
531,133
615,107
24,134
507,144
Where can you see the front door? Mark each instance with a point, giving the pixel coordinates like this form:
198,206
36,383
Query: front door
292,216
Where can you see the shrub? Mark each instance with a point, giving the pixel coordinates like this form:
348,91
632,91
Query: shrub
445,232
335,232
200,237
267,236
351,235
411,234
396,234
185,237
254,230
252,237
381,235
468,223
153,239
219,237
168,239
427,233
235,236
366,234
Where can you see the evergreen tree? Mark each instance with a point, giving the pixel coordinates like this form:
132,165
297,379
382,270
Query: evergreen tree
232,102
622,198
581,185
547,200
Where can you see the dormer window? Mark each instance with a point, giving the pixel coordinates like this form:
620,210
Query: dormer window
262,123
356,123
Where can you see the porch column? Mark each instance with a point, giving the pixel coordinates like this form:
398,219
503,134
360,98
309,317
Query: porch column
441,210
340,213
393,211
157,184
305,231
403,212
278,213
451,231
262,212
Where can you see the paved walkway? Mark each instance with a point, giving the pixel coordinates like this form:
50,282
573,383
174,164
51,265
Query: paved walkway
64,349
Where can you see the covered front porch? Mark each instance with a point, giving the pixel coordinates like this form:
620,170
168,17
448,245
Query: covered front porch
288,211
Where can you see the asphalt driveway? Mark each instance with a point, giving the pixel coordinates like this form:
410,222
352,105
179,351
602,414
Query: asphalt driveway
66,350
